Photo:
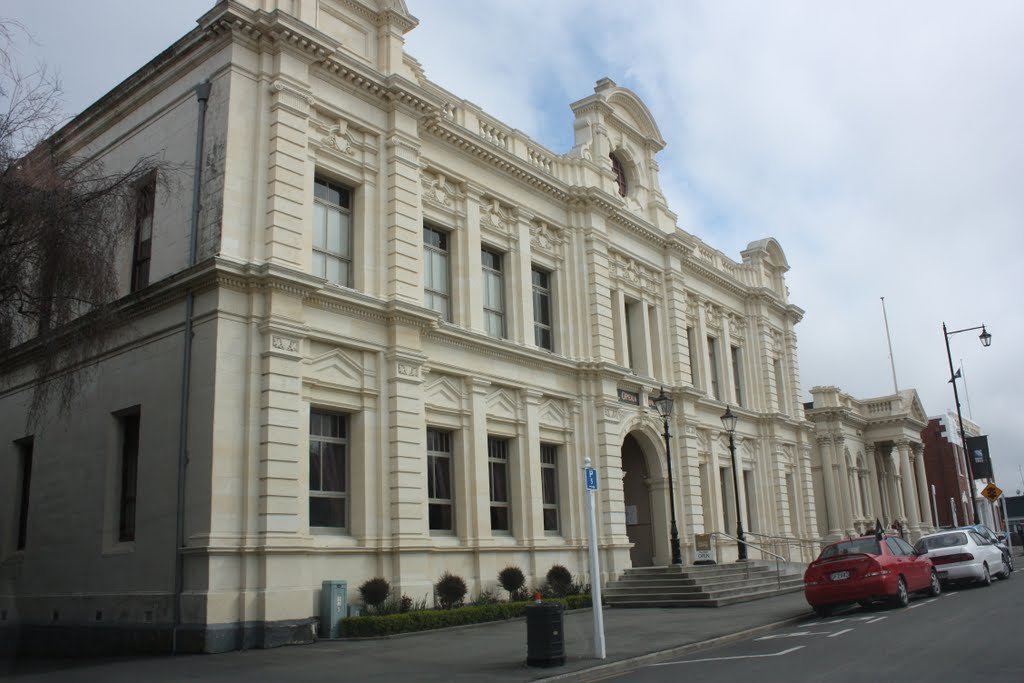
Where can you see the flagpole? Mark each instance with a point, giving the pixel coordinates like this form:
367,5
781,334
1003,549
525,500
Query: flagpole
892,361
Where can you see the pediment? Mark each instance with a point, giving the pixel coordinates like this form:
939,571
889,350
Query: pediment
501,403
444,392
553,414
337,368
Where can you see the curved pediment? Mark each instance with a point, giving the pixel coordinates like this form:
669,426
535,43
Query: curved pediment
630,110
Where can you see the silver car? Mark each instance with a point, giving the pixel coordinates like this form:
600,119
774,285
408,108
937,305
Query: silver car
963,555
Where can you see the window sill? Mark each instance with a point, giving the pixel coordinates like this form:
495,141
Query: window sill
119,548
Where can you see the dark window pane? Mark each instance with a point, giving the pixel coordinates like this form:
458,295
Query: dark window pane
314,467
499,482
25,447
550,519
542,338
499,519
129,476
333,463
549,484
326,511
441,516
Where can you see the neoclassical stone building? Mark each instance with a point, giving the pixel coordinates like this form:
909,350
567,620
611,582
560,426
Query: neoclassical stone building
401,328
869,463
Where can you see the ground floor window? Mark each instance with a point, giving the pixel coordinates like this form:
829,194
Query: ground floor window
328,469
439,480
549,485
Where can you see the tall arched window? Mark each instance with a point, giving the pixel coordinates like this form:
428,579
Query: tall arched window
620,175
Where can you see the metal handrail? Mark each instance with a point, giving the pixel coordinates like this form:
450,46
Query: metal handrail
778,558
814,545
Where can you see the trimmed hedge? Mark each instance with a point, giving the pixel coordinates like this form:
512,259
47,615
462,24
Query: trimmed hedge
373,626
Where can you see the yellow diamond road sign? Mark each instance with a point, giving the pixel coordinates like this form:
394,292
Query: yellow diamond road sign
992,492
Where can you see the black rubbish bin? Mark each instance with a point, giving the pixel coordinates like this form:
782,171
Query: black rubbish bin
545,635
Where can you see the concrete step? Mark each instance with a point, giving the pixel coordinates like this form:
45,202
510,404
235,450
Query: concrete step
701,586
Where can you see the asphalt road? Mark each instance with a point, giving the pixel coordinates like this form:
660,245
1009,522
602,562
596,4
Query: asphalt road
965,634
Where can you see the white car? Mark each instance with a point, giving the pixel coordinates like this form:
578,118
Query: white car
963,555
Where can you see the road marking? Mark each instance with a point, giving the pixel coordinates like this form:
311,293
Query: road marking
795,634
722,659
916,605
928,602
876,619
839,633
952,594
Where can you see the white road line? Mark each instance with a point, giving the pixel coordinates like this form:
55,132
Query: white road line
876,619
928,602
795,634
952,594
839,633
722,659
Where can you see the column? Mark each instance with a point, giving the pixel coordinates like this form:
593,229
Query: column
923,498
833,521
843,485
528,515
910,505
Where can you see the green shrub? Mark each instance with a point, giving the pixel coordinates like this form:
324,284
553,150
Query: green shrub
424,620
560,581
512,580
375,591
450,589
486,598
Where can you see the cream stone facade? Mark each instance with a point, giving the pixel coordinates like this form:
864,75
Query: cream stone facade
405,327
869,464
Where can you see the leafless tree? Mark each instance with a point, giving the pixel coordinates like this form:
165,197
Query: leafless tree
63,220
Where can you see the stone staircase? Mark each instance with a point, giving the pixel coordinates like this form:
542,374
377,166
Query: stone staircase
701,586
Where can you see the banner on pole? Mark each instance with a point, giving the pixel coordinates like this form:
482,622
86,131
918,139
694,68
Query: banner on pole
981,461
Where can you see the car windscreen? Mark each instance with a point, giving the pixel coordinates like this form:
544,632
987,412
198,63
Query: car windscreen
857,545
944,541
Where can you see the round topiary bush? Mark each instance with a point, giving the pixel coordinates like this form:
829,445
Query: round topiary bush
375,591
559,580
450,590
511,579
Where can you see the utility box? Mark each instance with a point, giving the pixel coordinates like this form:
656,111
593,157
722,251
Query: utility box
545,635
333,608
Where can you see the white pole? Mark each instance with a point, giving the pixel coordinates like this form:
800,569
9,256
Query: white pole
595,573
952,508
935,509
1006,525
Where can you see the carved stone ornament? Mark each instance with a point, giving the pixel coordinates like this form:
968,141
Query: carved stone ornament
737,325
284,344
440,191
627,270
407,370
611,413
543,237
496,216
712,316
338,137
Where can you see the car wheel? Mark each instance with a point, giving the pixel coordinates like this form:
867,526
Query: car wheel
1008,559
934,588
986,578
1007,570
902,597
823,610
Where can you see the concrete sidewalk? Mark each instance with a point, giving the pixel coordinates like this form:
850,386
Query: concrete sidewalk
495,652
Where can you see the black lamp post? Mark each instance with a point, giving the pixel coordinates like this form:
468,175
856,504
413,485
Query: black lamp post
729,422
663,404
986,341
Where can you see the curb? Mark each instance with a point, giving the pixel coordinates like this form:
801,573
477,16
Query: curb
600,671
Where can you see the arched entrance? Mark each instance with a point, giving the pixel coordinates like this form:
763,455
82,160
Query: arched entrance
636,494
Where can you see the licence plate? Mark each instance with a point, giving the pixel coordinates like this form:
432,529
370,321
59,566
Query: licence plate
840,576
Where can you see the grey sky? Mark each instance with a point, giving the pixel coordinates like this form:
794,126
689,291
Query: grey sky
881,143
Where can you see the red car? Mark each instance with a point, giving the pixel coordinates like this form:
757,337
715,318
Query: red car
867,569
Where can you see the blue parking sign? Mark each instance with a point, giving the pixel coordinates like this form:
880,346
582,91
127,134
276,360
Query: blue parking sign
591,478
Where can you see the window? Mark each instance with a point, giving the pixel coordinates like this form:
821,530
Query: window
25,458
497,467
439,480
780,388
713,368
542,332
129,477
737,375
620,175
332,232
436,282
494,293
549,485
142,248
691,349
328,469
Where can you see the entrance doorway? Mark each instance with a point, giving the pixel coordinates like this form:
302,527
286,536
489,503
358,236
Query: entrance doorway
636,495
